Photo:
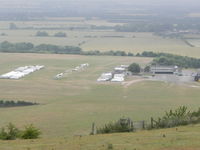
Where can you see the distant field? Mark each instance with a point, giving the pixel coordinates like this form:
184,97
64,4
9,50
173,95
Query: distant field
103,40
70,105
195,42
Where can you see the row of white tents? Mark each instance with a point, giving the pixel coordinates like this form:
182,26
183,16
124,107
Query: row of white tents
78,68
21,72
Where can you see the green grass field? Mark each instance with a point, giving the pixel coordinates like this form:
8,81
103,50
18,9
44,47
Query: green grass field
130,42
141,41
70,105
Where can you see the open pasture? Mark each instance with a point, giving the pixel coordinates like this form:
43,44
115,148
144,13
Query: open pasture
83,36
105,41
70,105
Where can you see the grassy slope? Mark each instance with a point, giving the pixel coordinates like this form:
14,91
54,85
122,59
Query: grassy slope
181,138
71,104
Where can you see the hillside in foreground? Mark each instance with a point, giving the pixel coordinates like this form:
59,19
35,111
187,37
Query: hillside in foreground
180,138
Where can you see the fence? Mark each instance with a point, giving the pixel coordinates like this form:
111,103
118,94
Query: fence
136,125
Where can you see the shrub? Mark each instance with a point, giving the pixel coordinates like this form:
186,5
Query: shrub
42,33
30,132
60,34
9,133
122,125
173,118
109,146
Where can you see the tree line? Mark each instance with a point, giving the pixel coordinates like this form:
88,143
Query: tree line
28,47
159,58
46,34
11,103
158,27
172,59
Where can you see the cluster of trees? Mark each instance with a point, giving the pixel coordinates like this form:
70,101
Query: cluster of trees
42,48
108,53
136,68
45,34
50,48
60,34
15,104
158,27
171,59
42,33
144,27
186,62
11,132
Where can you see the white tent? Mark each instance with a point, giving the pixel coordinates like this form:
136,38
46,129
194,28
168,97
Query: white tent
21,72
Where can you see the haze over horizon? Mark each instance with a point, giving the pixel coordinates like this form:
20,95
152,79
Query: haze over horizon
96,8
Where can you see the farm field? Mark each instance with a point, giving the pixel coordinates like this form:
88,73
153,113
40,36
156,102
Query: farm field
88,39
70,105
195,42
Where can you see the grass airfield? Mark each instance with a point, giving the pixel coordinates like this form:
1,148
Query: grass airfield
70,105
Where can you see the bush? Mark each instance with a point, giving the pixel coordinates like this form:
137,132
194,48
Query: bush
134,68
177,117
30,132
9,133
122,125
109,146
60,34
42,33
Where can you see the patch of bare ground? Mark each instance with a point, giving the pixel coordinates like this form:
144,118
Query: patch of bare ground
129,83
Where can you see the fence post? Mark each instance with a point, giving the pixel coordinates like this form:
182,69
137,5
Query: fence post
151,122
143,124
132,127
93,129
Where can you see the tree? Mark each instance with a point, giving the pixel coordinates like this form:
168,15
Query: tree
134,68
3,34
147,69
12,26
60,34
42,33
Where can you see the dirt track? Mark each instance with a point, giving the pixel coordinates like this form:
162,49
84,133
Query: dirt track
129,83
